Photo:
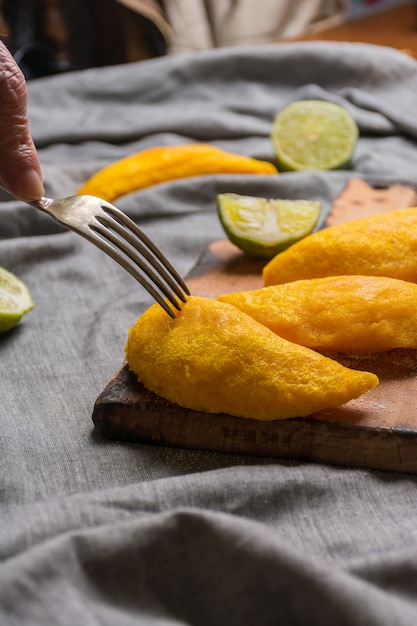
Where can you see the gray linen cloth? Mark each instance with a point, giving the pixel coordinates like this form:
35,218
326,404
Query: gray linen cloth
100,532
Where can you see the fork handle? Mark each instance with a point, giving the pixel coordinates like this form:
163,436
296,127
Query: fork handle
42,204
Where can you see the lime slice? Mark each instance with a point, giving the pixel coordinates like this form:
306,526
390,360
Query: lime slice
15,300
314,135
262,227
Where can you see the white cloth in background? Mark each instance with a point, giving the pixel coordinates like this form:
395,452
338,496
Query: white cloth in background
203,24
195,25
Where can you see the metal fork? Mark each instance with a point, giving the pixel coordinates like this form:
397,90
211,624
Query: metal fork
117,235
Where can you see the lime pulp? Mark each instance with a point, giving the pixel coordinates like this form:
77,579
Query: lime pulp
314,134
15,300
262,227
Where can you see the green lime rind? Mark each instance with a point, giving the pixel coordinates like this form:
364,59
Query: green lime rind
314,135
15,300
263,228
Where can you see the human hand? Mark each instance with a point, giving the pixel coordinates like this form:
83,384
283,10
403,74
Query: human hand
20,171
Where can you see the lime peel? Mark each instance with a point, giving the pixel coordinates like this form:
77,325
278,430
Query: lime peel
262,227
314,135
15,300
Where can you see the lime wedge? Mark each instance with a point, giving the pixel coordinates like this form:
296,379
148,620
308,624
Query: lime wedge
314,135
262,227
15,300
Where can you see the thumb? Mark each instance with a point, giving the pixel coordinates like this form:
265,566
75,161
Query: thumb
20,171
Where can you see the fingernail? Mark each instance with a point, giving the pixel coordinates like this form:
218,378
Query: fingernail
31,186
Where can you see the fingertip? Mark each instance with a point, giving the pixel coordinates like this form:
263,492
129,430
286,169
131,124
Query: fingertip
30,186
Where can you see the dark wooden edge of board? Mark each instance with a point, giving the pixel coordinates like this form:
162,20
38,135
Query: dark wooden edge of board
126,411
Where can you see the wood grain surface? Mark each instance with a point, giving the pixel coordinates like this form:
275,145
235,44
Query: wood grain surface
376,431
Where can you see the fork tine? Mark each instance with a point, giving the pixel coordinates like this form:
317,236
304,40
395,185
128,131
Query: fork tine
103,229
96,239
158,260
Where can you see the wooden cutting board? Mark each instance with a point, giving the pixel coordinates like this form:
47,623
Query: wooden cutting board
376,431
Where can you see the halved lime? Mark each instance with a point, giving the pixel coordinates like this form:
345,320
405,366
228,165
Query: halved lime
262,227
314,135
15,300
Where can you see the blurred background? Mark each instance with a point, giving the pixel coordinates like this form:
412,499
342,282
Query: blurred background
52,36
